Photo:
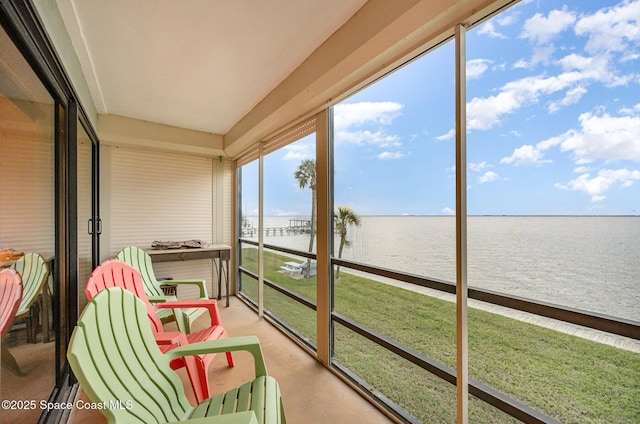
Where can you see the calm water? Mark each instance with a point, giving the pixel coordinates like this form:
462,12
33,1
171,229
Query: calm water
590,263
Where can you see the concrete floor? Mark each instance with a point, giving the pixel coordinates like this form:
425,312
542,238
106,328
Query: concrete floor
311,394
36,361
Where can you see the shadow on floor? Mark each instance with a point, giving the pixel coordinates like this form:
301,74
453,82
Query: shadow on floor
311,394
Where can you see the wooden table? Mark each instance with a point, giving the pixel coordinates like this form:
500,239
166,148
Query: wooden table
221,252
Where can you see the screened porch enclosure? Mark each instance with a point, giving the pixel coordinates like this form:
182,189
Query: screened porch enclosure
430,209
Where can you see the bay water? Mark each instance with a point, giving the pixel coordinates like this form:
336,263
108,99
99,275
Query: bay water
585,262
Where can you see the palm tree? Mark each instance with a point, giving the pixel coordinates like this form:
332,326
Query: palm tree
342,220
306,176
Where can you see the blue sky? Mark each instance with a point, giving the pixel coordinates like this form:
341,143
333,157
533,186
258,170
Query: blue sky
553,121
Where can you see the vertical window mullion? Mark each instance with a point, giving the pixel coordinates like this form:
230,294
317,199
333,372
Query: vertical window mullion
462,345
261,231
324,239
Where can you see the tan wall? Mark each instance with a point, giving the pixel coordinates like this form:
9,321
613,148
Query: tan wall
160,190
27,209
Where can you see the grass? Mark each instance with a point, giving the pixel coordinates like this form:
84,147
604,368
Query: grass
568,378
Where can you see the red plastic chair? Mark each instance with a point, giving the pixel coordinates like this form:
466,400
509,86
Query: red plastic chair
10,297
114,273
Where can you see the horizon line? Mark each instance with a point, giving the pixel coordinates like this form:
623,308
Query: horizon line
469,215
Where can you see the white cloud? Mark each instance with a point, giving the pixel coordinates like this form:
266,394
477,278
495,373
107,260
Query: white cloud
561,186
506,19
485,113
350,115
299,152
542,54
550,142
593,65
521,64
488,177
611,29
448,136
571,97
541,29
604,137
597,186
378,138
391,155
499,67
581,169
363,123
629,110
479,167
527,155
596,68
489,29
476,67
600,138
448,211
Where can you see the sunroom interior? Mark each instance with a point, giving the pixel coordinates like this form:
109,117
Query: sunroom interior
128,123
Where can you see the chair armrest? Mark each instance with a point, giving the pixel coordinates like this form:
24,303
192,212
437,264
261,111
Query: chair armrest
161,299
246,417
210,304
250,344
200,283
170,338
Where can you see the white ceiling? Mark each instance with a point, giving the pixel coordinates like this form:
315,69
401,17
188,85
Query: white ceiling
197,64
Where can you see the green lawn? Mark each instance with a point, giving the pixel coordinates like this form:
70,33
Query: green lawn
568,378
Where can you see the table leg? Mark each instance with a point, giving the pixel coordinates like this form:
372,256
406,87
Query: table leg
219,278
227,279
224,258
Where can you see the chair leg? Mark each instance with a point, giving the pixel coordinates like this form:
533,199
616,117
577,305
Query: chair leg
201,388
33,321
27,325
32,325
182,322
9,362
283,419
230,359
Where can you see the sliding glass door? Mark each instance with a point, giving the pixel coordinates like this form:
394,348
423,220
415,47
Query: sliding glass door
48,206
27,225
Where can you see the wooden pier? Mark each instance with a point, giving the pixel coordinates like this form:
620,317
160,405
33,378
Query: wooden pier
295,227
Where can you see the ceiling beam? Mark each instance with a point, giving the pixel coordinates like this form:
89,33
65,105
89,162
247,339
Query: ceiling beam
120,131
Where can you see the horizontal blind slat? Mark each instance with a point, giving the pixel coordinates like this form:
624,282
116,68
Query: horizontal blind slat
162,196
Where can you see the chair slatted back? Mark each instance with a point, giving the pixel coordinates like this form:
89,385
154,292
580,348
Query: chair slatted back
114,355
140,260
114,273
10,297
34,272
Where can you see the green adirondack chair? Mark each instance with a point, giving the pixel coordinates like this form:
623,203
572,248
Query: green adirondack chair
114,356
184,318
34,272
